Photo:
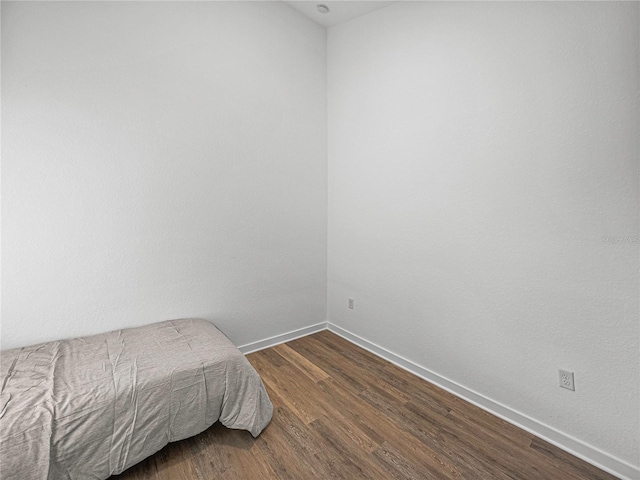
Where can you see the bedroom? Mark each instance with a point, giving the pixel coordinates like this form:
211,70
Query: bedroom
465,172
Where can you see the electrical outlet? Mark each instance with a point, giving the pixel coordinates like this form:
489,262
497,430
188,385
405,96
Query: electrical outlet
351,303
566,379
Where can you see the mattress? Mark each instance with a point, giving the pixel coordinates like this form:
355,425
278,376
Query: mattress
90,407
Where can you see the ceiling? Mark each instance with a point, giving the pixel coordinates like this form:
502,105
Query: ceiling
339,11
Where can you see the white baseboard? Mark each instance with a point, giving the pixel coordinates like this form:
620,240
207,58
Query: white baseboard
282,338
586,452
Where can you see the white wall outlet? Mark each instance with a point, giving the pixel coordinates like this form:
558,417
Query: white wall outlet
351,303
566,379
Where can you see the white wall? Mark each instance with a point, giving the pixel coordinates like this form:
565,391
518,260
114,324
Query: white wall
479,153
162,160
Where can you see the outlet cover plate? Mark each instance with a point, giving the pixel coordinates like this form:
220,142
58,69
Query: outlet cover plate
566,380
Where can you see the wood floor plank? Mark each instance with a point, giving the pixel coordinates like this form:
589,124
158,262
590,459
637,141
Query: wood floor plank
446,447
358,414
483,447
312,402
293,451
341,412
359,374
210,457
295,389
354,462
330,363
175,462
349,419
517,461
567,462
399,467
432,398
345,348
245,457
307,367
303,456
384,429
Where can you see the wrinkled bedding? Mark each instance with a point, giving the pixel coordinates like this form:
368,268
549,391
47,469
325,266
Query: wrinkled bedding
90,407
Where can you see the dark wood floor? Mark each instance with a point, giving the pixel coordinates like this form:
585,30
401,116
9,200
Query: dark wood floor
342,412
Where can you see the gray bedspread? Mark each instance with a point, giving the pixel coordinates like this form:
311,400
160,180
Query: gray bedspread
90,407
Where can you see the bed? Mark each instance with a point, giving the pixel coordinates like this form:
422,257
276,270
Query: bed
90,407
